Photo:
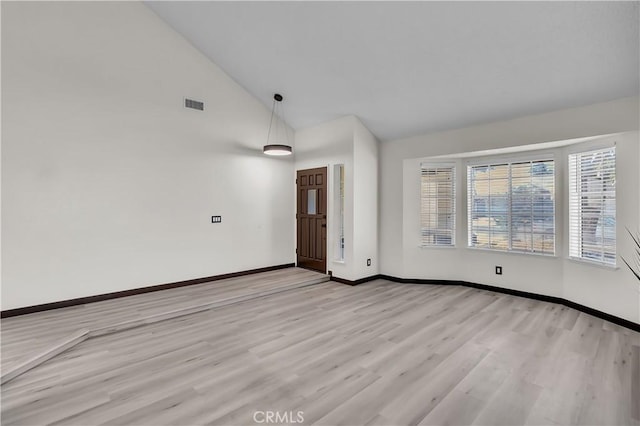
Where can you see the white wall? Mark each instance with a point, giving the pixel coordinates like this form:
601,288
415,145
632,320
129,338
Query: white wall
326,145
614,291
365,195
346,141
108,182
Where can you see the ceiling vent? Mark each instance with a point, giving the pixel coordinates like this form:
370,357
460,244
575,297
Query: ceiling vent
190,103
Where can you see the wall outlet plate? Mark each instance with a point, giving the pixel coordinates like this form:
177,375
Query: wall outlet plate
368,262
216,219
498,270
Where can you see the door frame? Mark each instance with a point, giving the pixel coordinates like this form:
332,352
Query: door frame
324,221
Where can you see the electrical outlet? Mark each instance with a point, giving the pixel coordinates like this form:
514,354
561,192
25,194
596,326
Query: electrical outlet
498,270
368,262
216,219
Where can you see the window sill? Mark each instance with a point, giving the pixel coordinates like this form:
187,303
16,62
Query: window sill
518,253
594,264
428,247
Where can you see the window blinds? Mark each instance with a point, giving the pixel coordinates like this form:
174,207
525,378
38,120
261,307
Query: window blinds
512,206
438,205
592,206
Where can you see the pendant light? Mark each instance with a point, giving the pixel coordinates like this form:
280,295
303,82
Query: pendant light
281,138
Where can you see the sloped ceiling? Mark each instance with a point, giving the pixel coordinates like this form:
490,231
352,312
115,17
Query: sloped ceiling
406,68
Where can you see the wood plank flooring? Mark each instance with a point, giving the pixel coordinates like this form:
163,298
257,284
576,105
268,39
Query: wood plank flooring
379,353
25,335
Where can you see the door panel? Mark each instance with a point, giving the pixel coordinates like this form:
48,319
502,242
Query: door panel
311,219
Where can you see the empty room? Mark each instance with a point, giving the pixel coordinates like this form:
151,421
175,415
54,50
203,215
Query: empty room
332,213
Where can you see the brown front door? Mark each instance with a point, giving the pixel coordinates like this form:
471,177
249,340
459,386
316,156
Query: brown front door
311,218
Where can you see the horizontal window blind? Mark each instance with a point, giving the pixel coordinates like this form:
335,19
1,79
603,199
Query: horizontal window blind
438,205
511,206
592,206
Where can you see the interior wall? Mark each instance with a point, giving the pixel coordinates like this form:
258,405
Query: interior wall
108,182
326,145
365,203
346,141
612,291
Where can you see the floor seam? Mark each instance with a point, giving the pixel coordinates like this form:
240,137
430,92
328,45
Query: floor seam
81,335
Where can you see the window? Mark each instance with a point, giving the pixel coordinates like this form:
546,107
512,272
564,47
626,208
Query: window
438,205
511,206
338,178
592,206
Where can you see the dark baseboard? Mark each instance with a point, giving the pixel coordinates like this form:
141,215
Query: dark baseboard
100,297
134,291
568,303
356,282
418,281
535,296
602,315
552,299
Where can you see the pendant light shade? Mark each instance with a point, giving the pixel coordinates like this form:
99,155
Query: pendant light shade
274,149
277,140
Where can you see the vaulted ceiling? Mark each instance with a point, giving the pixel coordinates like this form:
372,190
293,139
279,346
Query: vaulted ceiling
406,68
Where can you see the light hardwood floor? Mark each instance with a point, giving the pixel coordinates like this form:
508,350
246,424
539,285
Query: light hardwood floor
378,353
27,334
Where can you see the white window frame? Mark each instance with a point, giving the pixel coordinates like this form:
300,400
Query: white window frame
339,202
452,199
575,233
510,160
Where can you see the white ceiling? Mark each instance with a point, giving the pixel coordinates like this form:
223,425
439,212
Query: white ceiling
406,68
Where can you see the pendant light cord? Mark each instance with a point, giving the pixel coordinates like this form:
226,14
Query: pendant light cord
273,109
284,125
277,103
